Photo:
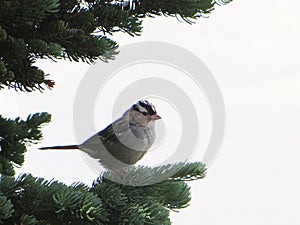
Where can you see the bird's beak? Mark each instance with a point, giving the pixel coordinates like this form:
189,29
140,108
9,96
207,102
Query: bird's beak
155,117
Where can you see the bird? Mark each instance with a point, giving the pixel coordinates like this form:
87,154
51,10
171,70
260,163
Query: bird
125,141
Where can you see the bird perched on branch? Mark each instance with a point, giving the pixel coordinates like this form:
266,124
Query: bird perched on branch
125,141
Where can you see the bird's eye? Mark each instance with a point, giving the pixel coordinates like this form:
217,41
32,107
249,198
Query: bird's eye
144,113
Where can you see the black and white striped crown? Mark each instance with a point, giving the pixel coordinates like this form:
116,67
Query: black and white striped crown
144,107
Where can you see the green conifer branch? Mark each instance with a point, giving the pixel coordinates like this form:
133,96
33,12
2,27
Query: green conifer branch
74,30
15,135
6,208
37,200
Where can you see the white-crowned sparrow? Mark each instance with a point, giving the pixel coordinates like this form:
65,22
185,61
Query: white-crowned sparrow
125,141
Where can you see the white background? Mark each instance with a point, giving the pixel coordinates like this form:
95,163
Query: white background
253,50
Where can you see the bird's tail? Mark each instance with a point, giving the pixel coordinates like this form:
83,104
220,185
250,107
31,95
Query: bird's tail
65,147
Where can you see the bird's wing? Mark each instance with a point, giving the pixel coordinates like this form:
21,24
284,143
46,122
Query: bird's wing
105,137
114,131
113,145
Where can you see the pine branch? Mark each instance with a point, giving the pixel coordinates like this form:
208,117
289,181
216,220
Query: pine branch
31,200
187,10
190,171
143,174
6,208
15,135
74,30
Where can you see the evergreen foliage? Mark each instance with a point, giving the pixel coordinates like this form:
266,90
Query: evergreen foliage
74,30
30,200
15,135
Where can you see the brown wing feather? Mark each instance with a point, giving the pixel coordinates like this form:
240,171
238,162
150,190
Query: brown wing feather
114,130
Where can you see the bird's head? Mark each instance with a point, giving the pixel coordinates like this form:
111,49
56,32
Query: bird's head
143,113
